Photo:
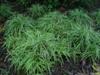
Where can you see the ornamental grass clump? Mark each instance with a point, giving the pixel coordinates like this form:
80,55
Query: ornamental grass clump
96,17
87,40
54,22
5,10
84,43
15,28
36,46
37,10
80,16
31,49
78,35
18,24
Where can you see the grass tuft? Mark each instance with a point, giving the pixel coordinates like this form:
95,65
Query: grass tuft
5,10
37,10
36,46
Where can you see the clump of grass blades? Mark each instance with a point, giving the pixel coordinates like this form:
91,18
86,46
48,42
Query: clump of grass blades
78,35
15,28
3,72
86,42
5,10
40,45
80,16
30,49
18,24
37,10
96,16
54,22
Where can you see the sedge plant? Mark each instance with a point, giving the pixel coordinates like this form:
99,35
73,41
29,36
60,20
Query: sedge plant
96,17
37,11
5,10
36,46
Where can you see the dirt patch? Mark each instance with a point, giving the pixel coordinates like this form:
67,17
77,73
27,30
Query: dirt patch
69,68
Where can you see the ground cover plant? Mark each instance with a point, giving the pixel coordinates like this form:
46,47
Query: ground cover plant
66,26
96,17
5,10
37,11
36,47
49,37
80,16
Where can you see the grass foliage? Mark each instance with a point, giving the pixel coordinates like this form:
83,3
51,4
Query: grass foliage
35,46
96,16
37,10
79,36
5,10
23,2
80,16
34,53
3,72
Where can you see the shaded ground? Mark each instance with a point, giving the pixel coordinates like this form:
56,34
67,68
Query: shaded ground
69,68
3,63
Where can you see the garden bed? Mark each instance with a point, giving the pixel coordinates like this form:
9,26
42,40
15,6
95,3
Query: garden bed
49,39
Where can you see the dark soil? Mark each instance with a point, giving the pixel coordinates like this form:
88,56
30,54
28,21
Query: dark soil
69,68
3,53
